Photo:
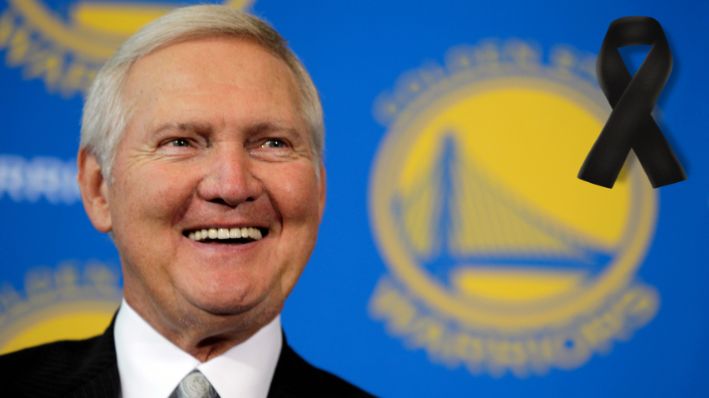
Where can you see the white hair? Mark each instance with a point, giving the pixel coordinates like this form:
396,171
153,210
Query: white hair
105,112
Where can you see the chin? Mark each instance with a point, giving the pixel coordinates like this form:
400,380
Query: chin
227,303
230,318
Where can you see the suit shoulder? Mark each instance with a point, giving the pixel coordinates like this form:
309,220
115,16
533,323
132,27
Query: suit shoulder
295,377
57,355
57,366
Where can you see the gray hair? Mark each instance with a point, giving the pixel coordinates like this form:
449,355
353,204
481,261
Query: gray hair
105,112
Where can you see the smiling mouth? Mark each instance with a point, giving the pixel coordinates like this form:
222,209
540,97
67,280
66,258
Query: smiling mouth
227,235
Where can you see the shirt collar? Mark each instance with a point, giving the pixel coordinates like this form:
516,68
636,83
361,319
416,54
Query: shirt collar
151,366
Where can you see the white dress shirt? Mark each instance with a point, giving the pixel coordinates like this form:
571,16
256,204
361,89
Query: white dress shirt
149,365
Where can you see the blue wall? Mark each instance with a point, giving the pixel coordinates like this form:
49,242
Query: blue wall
579,291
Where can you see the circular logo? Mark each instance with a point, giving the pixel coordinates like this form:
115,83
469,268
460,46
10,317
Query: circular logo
475,202
66,42
66,303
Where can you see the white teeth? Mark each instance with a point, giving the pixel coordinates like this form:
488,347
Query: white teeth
225,233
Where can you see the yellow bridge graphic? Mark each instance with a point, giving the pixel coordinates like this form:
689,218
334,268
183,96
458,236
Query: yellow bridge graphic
476,238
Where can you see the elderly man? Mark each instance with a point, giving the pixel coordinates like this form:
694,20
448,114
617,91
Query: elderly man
201,155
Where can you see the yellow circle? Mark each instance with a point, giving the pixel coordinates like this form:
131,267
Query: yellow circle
524,138
96,30
62,321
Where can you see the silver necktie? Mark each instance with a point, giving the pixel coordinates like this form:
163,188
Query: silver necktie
194,385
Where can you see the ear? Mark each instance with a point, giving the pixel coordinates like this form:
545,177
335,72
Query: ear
94,191
322,183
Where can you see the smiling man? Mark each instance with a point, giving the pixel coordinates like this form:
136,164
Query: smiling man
201,156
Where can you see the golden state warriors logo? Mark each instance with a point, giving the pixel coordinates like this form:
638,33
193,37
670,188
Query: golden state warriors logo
500,259
69,302
65,43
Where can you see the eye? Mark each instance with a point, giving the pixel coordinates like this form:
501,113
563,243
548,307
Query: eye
179,142
274,143
270,148
179,145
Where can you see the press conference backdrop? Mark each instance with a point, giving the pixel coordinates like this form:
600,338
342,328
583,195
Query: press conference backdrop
459,254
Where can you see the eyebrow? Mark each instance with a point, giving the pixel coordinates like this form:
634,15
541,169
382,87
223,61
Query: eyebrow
268,127
187,126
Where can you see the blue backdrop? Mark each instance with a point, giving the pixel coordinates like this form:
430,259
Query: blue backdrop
459,255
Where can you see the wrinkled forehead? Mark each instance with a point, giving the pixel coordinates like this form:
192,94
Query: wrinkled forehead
215,60
230,74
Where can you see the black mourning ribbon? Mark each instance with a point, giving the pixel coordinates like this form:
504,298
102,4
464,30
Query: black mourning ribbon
630,124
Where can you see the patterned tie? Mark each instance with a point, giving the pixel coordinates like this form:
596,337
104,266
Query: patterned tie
194,385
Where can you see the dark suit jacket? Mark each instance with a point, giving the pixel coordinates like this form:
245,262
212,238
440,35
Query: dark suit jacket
87,368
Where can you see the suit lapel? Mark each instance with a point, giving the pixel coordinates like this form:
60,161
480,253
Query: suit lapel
290,375
97,375
296,378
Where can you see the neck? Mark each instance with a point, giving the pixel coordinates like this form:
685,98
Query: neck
200,334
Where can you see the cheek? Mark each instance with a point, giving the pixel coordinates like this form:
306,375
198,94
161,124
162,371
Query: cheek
148,198
297,194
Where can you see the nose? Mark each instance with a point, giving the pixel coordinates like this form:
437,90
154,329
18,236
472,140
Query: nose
229,179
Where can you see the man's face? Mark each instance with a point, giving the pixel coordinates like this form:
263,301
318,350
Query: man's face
215,144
